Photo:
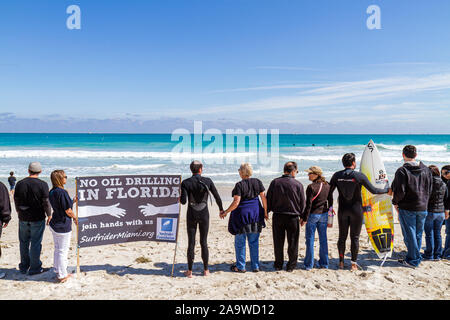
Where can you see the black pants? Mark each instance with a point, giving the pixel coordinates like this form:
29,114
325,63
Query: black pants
353,220
285,225
200,219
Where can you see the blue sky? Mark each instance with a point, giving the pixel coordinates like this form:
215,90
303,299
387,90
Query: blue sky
300,66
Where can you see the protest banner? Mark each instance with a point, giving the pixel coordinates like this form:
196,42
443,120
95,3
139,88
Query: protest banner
118,209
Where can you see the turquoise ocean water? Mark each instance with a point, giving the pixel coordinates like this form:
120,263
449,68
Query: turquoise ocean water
117,154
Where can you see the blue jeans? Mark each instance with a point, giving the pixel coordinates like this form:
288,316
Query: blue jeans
253,244
412,223
446,251
30,238
433,238
320,222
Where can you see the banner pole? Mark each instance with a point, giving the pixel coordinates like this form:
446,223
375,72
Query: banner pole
178,228
78,230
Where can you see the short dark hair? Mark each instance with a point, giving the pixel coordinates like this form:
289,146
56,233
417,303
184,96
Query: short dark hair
410,151
196,166
435,171
11,173
348,159
290,166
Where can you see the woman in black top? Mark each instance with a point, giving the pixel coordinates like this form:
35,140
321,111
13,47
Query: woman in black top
318,199
247,217
435,217
61,223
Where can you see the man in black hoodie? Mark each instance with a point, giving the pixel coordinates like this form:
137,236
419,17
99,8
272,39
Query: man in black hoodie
412,187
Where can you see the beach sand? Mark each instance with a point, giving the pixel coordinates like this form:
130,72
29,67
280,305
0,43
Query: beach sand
112,272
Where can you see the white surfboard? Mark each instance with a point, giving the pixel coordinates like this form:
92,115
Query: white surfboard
377,209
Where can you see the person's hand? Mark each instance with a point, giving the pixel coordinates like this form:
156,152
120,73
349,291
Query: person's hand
447,214
49,219
390,192
266,216
5,225
75,199
75,220
222,214
302,222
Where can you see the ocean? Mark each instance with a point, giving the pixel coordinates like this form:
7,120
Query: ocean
83,155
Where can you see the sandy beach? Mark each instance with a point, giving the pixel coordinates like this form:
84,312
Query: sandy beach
141,270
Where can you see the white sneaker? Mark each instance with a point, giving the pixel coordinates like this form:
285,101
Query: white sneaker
2,275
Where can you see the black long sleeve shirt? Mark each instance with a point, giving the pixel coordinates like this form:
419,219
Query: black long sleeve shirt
286,196
5,205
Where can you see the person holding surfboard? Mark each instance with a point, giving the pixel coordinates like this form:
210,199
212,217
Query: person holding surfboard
350,211
412,187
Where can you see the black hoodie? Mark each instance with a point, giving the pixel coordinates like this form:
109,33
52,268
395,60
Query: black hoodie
412,187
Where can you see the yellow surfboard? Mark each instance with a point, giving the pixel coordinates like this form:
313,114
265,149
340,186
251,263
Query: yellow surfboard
378,212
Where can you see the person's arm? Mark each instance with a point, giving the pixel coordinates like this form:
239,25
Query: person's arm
184,193
305,214
398,187
269,198
45,202
447,201
333,186
369,186
264,202
233,206
302,204
5,206
216,196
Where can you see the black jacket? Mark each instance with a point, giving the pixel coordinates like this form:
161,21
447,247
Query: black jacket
438,196
321,203
412,187
193,190
5,205
447,202
286,196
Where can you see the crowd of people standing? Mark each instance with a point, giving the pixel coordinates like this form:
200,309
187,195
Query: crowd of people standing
420,195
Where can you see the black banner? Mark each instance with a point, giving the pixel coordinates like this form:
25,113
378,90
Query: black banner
117,209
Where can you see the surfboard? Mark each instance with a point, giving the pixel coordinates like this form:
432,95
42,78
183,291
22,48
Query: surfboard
378,212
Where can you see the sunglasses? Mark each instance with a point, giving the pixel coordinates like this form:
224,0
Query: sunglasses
65,177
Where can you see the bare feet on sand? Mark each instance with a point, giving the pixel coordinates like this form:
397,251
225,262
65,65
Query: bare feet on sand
206,273
64,279
354,267
188,274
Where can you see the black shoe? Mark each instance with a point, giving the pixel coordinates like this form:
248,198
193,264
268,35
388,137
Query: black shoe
403,263
278,268
39,272
23,271
289,270
256,270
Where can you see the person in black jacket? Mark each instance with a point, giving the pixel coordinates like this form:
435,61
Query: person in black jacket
31,199
445,173
286,199
435,217
412,187
195,191
318,199
350,211
5,213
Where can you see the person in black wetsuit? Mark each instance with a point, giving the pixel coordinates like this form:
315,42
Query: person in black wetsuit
350,210
195,192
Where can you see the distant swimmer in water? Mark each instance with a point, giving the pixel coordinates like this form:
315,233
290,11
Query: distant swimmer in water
313,145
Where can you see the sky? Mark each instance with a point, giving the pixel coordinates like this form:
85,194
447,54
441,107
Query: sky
154,66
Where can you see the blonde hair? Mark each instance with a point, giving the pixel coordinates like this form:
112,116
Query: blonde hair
57,178
246,169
